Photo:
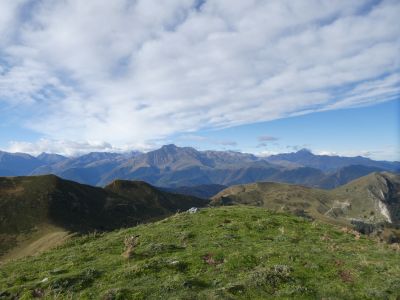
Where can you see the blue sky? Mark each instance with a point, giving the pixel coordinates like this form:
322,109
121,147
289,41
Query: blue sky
371,131
256,76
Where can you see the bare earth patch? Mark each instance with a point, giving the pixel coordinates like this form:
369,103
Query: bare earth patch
46,237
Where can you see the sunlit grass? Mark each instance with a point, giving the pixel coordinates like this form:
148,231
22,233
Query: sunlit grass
228,253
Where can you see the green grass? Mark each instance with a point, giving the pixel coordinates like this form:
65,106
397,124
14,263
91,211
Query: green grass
32,202
358,200
218,253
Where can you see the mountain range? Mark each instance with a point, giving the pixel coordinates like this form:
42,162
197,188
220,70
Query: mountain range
330,163
175,167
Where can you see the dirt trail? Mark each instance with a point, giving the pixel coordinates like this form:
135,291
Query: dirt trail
46,237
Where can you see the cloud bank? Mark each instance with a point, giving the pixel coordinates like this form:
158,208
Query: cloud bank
131,72
68,148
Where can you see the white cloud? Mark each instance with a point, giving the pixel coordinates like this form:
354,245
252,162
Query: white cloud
185,138
131,72
387,152
8,19
72,148
61,147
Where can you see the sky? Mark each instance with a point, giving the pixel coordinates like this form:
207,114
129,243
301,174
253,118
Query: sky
255,76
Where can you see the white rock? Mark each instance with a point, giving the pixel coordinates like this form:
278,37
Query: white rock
193,210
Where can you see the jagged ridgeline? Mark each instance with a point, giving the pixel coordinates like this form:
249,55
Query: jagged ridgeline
34,207
175,167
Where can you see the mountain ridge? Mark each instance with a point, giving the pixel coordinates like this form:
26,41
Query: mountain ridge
172,166
372,200
29,203
331,162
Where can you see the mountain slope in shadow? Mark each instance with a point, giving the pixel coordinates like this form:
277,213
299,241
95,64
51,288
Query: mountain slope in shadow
28,204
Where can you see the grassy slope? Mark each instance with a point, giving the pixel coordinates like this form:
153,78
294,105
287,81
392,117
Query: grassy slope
357,199
45,242
42,238
37,209
227,252
276,196
364,190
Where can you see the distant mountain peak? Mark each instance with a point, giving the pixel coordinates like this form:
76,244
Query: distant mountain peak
170,146
50,157
100,155
45,154
304,151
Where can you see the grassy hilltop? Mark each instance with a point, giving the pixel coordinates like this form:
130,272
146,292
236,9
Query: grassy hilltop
217,253
372,200
37,212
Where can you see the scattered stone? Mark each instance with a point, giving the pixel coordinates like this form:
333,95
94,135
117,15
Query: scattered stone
192,210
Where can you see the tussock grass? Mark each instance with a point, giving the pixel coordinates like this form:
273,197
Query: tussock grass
218,253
